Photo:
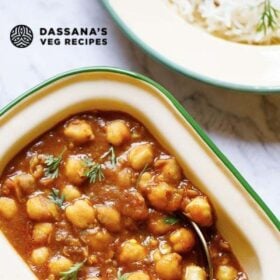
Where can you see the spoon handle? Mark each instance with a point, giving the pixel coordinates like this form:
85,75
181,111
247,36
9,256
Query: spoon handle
205,248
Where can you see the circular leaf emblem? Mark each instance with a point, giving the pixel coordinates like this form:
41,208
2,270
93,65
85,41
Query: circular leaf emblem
21,36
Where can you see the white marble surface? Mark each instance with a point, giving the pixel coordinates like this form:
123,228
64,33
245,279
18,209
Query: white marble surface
245,127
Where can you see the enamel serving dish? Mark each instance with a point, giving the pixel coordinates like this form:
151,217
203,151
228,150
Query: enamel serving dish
242,218
157,28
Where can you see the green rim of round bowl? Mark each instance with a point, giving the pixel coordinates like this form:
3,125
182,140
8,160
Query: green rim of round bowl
262,90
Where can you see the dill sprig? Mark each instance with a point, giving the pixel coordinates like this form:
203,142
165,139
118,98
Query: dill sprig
52,165
94,171
141,173
56,198
122,276
171,220
112,154
269,18
72,272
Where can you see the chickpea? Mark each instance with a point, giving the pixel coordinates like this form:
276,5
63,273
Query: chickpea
98,238
138,275
25,182
141,156
80,213
125,178
8,207
58,264
157,226
182,240
40,255
7,186
22,183
168,267
40,208
145,181
199,210
42,232
70,192
75,170
109,217
117,132
156,255
134,206
79,131
170,170
131,251
226,272
36,166
164,197
194,272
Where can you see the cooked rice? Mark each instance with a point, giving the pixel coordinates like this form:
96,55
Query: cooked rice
235,20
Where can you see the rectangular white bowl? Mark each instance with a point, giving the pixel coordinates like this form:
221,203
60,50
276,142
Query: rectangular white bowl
242,218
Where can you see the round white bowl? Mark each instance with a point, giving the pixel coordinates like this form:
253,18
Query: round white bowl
166,36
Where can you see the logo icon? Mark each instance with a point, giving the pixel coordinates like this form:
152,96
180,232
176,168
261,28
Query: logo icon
21,36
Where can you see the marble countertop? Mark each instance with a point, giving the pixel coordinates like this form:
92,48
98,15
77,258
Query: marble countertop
245,127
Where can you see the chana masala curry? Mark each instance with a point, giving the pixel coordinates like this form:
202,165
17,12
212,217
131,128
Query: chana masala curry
97,197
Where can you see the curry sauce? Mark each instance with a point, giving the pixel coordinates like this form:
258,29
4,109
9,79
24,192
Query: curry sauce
97,197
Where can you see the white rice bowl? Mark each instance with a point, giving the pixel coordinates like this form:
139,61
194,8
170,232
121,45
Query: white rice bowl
235,20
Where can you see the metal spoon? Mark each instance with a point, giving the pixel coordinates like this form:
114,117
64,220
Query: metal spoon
205,248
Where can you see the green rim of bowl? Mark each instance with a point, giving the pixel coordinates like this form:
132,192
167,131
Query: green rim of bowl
263,90
179,108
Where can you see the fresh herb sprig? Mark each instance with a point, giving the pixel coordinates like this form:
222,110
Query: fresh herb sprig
141,173
122,276
72,272
52,165
111,152
171,220
56,198
269,18
94,171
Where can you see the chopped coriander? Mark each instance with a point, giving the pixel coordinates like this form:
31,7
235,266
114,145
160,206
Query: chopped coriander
52,165
112,154
269,18
72,272
94,171
56,198
171,220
